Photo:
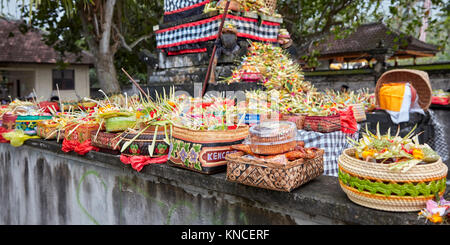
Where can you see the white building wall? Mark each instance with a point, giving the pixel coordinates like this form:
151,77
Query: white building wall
43,80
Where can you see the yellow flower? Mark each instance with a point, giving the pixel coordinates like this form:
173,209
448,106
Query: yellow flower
418,154
139,114
368,153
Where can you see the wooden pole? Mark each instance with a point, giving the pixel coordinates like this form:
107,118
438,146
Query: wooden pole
208,73
134,82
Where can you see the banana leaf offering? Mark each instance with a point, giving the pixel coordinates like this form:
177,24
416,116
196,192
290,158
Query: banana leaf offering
120,123
278,70
404,152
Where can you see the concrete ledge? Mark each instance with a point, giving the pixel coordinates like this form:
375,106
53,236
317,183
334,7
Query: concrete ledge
319,201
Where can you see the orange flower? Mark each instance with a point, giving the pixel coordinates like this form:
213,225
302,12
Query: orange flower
435,218
139,114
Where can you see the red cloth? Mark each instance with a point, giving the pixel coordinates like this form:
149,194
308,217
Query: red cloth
138,162
80,148
85,147
440,100
2,131
348,121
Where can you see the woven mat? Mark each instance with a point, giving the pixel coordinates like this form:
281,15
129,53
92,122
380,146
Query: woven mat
333,143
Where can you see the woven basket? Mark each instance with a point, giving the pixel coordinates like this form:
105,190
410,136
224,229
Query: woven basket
323,124
106,141
271,5
359,111
48,131
204,151
418,79
140,145
9,121
271,176
81,133
375,186
68,105
298,119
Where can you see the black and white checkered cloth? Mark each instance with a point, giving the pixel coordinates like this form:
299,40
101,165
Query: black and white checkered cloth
205,30
438,142
333,143
172,5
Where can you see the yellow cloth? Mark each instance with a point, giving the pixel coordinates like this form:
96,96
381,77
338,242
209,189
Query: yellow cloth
17,137
391,96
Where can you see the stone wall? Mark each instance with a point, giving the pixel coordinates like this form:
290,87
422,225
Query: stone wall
43,188
189,69
39,184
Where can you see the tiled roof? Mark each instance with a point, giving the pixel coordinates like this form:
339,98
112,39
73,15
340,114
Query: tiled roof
368,36
18,47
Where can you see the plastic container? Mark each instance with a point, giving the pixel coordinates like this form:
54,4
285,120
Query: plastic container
272,138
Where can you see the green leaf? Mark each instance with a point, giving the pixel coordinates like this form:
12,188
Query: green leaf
151,148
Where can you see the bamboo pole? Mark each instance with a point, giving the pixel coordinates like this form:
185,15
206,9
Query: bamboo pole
208,73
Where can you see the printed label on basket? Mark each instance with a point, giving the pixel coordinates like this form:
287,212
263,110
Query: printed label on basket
214,156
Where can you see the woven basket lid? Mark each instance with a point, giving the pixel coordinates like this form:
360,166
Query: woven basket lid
418,79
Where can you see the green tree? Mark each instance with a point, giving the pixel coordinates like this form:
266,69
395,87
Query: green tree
309,22
107,30
112,31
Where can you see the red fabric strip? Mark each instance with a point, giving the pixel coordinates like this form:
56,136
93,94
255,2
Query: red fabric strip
138,162
241,18
201,22
273,40
80,148
187,51
187,8
4,130
270,23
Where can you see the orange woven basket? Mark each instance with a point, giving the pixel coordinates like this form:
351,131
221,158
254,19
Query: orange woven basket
418,79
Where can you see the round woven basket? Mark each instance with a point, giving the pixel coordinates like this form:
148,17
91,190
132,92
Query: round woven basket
210,136
418,79
373,185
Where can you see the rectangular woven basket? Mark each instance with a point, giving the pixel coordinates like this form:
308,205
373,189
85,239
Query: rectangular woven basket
298,119
323,124
81,133
359,111
49,132
204,151
105,140
259,173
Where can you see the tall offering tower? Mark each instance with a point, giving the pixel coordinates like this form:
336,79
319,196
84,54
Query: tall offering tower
186,38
